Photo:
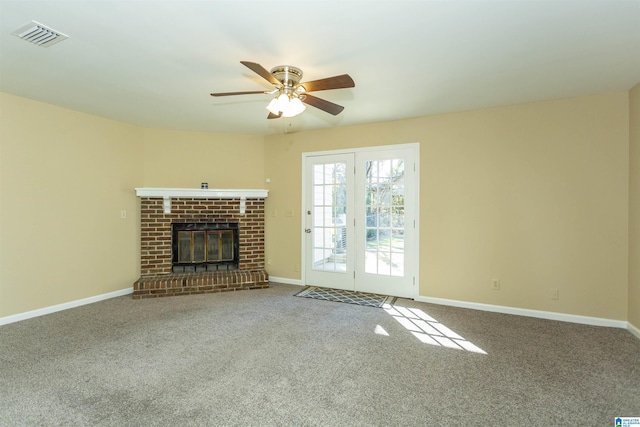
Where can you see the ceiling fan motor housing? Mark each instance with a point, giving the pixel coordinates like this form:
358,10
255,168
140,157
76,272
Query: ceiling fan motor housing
287,75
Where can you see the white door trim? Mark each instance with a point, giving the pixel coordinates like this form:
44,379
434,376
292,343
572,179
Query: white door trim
359,149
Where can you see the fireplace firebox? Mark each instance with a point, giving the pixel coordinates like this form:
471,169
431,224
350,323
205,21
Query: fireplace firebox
201,247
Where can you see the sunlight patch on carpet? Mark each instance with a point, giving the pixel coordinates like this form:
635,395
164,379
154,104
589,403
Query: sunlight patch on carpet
380,331
429,331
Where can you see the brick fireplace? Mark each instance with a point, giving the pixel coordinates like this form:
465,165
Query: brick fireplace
161,209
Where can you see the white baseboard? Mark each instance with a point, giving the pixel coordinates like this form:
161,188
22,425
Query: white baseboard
286,281
65,306
573,318
594,321
550,315
634,330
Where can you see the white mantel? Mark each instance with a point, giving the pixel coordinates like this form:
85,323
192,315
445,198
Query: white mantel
201,193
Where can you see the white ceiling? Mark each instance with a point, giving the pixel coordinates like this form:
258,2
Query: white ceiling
154,63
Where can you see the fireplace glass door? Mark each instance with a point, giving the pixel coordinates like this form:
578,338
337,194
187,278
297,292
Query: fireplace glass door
204,247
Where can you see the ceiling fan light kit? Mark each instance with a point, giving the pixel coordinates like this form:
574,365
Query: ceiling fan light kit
285,105
291,94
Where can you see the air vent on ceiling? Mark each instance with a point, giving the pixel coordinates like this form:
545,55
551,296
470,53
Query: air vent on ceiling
38,34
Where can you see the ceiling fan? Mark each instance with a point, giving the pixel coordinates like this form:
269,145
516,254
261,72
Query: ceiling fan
290,93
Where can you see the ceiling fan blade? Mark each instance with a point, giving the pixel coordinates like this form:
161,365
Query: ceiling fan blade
274,116
337,82
262,72
322,104
238,93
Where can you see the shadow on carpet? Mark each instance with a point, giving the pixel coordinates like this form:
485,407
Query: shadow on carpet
349,297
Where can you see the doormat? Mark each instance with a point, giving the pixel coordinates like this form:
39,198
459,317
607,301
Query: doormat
350,297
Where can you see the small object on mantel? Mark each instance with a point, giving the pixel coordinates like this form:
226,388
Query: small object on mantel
204,185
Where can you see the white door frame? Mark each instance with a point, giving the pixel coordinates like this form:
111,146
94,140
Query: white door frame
303,254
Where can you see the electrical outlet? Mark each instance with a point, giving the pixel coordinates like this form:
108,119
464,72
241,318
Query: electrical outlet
268,261
495,284
289,212
296,268
555,294
123,214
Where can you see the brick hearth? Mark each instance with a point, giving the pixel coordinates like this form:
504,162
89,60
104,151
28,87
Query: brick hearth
156,278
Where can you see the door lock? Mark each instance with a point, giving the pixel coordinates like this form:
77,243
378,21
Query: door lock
307,230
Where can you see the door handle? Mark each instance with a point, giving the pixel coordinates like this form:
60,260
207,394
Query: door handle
307,230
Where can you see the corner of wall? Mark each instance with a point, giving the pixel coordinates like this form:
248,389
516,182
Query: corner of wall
633,298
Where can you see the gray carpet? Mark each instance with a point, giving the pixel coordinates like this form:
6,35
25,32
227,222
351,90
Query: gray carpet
266,358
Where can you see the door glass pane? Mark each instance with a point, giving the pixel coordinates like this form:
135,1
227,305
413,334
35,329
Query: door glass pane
327,237
372,214
384,217
384,240
318,174
397,242
318,258
384,198
384,263
370,262
328,195
318,216
397,264
329,217
328,173
318,194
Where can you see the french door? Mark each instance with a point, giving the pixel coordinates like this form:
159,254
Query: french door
360,218
329,218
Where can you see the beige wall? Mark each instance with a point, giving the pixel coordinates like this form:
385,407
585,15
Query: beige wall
535,195
634,206
65,177
174,158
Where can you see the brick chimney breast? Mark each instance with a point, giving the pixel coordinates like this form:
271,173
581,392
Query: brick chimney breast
159,208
